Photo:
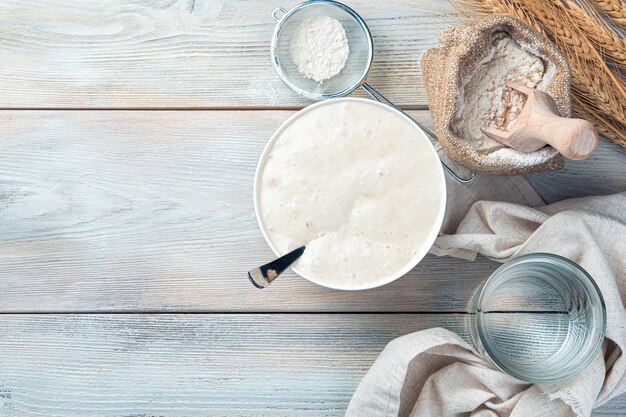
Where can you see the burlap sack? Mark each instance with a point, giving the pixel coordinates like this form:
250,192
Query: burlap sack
447,69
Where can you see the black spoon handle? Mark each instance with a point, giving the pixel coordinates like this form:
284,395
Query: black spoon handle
263,276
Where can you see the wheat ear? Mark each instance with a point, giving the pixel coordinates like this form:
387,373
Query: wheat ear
615,9
597,91
605,39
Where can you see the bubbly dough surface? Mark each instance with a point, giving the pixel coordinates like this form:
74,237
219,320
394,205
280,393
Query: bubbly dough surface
358,185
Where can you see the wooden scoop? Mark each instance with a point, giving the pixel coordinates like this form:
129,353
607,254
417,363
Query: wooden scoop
539,124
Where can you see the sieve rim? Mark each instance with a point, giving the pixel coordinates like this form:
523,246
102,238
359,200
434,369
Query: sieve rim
317,96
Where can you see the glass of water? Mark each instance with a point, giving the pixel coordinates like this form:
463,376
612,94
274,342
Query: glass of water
539,317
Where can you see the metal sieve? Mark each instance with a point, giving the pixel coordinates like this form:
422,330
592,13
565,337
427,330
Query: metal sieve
357,66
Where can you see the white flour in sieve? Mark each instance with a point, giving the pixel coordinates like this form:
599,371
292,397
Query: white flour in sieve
319,48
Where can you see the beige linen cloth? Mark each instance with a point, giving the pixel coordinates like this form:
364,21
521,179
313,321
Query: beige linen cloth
435,373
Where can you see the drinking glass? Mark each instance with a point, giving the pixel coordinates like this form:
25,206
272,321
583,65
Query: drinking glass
539,317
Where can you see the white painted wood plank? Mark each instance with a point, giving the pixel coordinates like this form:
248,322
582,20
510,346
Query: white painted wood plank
603,173
197,365
186,53
152,210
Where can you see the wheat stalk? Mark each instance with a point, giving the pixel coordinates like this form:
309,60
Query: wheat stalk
592,79
610,129
606,40
599,94
615,9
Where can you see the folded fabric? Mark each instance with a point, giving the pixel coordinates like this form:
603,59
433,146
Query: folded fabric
436,373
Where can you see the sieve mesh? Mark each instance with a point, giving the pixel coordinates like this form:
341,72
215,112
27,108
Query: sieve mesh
359,41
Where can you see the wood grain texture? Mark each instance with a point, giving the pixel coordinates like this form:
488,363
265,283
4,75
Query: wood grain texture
197,365
103,211
186,53
153,210
602,173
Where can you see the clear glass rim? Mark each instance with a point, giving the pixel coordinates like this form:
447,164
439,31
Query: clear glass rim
584,277
308,94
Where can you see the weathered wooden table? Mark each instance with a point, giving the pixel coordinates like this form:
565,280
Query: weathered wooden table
129,135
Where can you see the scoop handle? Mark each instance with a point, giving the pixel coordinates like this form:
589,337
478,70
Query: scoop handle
574,138
539,123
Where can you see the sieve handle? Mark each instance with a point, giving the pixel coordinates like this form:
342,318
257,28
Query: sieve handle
278,10
377,96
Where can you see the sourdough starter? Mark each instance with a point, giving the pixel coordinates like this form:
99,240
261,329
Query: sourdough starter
358,185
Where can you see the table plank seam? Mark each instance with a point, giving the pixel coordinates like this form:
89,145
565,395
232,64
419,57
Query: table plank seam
195,108
216,312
